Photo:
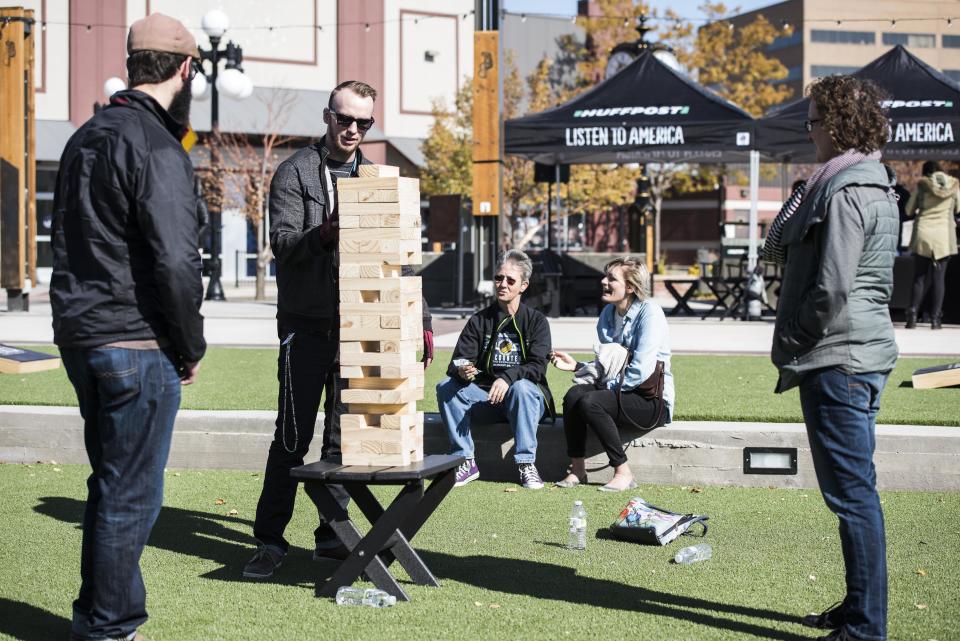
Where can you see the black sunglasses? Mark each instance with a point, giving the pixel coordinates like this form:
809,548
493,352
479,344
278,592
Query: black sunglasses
499,278
808,124
195,67
363,124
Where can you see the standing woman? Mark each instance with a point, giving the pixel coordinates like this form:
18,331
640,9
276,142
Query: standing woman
833,335
636,322
934,239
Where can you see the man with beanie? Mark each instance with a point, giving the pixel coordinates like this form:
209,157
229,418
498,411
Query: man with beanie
126,294
303,236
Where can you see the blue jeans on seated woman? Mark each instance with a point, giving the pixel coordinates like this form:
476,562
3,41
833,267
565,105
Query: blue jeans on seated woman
840,411
128,400
463,404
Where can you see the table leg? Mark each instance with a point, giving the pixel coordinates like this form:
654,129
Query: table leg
363,550
401,549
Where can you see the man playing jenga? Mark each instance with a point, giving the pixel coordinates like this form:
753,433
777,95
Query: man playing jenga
304,231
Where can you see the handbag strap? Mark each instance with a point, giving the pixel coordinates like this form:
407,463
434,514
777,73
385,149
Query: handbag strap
658,398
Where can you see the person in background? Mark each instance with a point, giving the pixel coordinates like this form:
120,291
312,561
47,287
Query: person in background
935,204
498,372
126,294
833,335
619,396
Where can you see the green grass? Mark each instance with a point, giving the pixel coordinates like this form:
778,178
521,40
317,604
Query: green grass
499,558
721,388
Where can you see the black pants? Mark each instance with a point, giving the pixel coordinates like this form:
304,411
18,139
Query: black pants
585,406
307,367
926,273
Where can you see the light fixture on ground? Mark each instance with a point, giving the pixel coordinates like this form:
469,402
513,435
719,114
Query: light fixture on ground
235,84
770,460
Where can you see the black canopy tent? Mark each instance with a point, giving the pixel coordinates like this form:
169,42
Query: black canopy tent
645,113
924,109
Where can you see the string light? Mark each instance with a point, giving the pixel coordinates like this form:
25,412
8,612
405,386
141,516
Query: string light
893,23
523,17
366,27
626,22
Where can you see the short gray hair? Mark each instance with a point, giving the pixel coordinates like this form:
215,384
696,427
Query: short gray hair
519,259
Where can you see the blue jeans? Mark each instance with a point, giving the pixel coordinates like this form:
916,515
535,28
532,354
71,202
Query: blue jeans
462,404
840,411
128,399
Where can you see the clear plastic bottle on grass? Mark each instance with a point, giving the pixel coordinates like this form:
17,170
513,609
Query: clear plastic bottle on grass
693,553
348,595
578,527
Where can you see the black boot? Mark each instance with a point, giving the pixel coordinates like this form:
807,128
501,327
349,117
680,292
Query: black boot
936,322
911,317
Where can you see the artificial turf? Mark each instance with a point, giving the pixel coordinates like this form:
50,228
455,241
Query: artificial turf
709,387
500,559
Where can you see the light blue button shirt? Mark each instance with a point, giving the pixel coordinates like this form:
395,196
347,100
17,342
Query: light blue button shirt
645,333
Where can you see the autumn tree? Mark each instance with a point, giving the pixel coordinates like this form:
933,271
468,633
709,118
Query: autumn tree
248,166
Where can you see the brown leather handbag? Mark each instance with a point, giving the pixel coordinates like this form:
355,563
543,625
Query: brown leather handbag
650,389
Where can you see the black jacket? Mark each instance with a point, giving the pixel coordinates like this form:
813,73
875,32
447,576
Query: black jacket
476,344
303,246
125,259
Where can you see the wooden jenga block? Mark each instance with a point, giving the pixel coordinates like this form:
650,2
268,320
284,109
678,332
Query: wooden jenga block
369,250
387,371
378,270
373,222
381,233
361,209
377,171
383,421
382,408
365,184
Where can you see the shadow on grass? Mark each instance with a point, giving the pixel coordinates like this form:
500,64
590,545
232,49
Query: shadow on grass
213,537
560,583
29,623
207,536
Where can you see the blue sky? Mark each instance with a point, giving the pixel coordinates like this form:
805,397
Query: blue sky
684,8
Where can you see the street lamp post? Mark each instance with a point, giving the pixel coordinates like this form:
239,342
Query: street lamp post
235,83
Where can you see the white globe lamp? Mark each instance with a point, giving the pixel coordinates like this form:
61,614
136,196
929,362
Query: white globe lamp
231,82
113,85
199,87
247,89
215,23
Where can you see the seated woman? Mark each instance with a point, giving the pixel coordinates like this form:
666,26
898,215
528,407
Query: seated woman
636,322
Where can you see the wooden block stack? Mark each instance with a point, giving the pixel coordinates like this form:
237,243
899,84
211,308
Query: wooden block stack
381,325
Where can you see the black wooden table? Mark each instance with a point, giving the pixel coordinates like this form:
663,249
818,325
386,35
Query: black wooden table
392,529
682,306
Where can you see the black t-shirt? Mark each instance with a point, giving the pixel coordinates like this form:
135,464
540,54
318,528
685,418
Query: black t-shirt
506,352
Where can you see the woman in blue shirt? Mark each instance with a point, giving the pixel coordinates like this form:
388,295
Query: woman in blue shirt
636,322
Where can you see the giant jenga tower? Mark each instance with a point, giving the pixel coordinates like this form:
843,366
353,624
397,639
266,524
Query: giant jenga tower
381,325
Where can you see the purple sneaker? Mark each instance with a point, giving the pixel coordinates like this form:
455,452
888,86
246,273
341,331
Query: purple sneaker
468,471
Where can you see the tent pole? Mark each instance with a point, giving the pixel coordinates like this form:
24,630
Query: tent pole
556,174
754,194
549,228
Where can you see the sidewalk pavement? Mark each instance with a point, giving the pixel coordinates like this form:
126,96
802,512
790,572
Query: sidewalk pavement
242,322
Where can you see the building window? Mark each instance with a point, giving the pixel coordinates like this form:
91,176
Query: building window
843,37
953,74
920,40
819,71
46,182
951,42
783,42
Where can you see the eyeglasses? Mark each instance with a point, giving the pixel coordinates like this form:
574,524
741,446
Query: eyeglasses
808,124
363,124
195,67
499,278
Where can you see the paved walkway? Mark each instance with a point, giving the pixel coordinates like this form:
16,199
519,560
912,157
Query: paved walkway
240,321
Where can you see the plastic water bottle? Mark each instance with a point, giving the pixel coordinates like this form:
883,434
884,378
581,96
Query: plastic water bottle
347,595
578,527
694,553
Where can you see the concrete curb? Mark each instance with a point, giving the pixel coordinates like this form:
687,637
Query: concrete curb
908,457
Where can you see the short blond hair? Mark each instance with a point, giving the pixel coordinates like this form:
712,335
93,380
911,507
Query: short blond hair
635,275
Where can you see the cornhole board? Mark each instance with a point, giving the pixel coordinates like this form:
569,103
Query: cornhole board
937,376
16,360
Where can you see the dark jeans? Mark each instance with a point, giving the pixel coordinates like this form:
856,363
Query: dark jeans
840,411
128,400
306,368
928,274
585,406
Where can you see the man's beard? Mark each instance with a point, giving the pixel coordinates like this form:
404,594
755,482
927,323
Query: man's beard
179,108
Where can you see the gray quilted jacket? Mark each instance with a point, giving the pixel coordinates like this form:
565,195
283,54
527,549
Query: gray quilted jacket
833,307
